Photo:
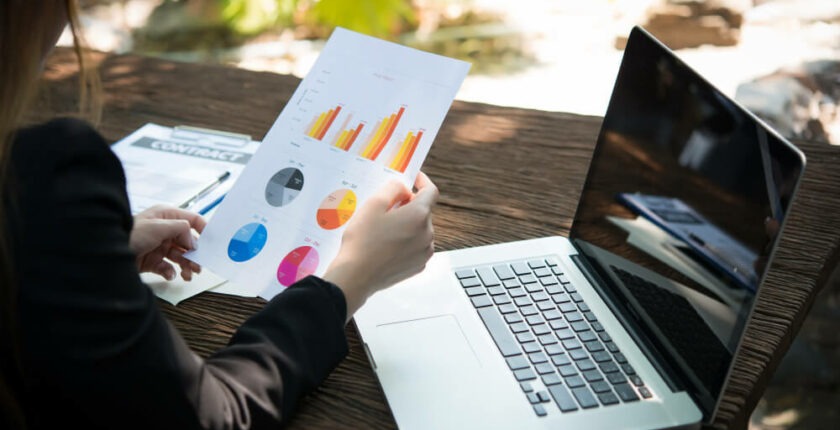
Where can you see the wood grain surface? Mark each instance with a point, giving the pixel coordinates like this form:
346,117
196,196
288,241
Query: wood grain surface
504,174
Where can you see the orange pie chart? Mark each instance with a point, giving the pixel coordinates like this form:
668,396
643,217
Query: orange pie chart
336,209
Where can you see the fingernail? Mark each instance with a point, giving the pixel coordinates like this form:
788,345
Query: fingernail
194,244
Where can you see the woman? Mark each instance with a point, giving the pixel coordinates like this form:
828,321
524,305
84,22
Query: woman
83,341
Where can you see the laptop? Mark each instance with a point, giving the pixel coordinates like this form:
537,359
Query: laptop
634,320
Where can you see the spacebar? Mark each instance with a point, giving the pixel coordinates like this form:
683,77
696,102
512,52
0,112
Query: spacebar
499,330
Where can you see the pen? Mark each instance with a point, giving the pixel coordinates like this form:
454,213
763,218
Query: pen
205,191
212,205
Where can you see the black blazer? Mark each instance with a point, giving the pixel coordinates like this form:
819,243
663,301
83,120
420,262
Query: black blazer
96,350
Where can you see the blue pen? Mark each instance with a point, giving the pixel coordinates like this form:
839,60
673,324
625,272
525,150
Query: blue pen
212,205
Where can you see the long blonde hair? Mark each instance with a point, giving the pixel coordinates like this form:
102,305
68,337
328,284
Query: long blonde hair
21,50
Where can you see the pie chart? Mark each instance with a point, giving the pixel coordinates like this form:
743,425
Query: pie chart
247,242
284,186
298,264
336,209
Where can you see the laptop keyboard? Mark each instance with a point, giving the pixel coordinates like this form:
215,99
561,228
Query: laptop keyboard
551,340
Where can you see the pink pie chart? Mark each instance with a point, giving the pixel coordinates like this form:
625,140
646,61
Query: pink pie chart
298,264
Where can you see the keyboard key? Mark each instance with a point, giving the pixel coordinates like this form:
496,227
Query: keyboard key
503,271
590,317
609,367
594,346
542,271
580,326
560,360
578,354
557,270
470,282
551,379
547,339
534,288
584,397
551,261
522,301
592,375
513,317
466,273
546,306
605,336
499,331
586,336
576,297
620,358
556,324
597,326
530,347
574,316
488,278
529,310
636,380
625,392
539,296
554,349
528,279
541,329
535,264
616,378
562,397
526,386
474,291
585,364
511,283
507,308
628,369
501,300
601,356
495,291
548,280
543,395
571,344
482,301
517,362
552,314
554,289
567,370
539,410
533,398
525,337
600,386
524,374
517,292
608,398
520,268
564,333
537,357
534,319
575,381
543,368
519,327
583,307
560,298
645,392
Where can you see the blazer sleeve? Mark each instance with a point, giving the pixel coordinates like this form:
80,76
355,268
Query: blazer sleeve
94,330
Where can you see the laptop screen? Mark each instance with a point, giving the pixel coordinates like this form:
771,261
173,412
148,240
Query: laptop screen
685,197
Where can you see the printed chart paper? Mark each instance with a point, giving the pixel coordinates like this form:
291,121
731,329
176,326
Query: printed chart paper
368,111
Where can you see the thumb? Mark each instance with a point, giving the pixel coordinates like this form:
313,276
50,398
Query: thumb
392,193
176,230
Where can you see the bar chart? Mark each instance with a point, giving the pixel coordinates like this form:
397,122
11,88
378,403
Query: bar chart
345,138
381,134
320,124
402,154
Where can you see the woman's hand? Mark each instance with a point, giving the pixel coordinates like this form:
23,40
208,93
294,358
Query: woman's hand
165,232
384,245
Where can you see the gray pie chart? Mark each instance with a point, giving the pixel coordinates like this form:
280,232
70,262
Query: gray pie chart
284,186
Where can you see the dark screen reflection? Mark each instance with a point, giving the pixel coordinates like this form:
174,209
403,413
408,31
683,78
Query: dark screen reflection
681,206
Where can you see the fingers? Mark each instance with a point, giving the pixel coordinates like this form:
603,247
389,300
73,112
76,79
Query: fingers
163,268
187,267
427,191
392,193
177,230
168,212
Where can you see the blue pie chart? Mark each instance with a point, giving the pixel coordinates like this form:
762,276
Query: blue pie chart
247,242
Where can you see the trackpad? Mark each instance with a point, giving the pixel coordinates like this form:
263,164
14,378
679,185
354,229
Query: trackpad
423,348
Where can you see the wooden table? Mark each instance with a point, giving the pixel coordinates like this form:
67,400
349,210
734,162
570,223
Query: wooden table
504,174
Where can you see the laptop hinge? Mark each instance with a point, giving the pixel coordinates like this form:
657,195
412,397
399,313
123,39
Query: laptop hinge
630,325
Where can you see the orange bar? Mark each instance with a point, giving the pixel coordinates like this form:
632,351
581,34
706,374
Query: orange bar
341,138
390,132
372,142
396,160
329,122
411,154
353,138
321,123
343,127
317,125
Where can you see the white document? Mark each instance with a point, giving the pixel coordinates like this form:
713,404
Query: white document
367,112
170,166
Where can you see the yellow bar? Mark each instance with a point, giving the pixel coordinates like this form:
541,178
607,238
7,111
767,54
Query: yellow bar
341,138
323,123
363,148
317,124
372,144
310,125
403,151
